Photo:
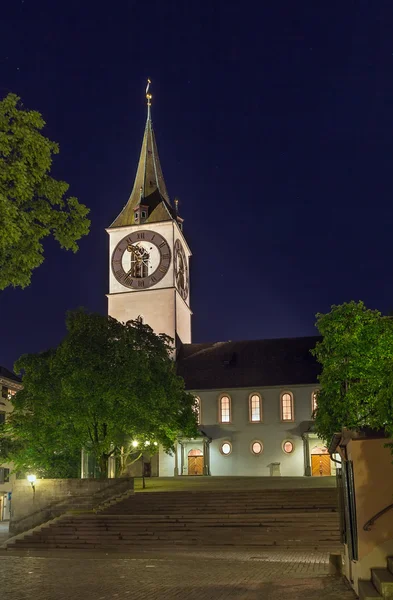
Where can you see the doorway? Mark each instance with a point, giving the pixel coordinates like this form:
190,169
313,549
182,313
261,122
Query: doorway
195,462
320,465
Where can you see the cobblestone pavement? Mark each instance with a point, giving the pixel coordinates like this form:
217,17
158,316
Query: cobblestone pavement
170,575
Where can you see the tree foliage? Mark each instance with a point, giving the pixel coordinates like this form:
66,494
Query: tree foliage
105,384
32,203
356,354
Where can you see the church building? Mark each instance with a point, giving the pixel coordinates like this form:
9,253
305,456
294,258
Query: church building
255,398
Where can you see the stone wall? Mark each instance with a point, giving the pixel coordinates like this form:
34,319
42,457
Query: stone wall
52,497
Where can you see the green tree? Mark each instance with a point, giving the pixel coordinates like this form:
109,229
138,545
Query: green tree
32,203
356,354
105,384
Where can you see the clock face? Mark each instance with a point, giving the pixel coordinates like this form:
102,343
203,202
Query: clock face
181,270
141,259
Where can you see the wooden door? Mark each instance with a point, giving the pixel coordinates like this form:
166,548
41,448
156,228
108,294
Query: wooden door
195,465
320,464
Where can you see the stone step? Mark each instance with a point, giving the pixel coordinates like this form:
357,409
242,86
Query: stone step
383,581
157,542
284,518
186,531
367,591
234,517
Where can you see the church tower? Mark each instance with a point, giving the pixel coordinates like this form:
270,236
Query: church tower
148,253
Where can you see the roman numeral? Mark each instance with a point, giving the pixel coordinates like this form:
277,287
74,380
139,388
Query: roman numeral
140,236
119,274
166,255
153,279
162,244
141,283
162,269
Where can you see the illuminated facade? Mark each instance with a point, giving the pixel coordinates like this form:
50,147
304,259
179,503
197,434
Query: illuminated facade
255,398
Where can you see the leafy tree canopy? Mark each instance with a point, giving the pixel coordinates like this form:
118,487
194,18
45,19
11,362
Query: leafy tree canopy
105,383
356,354
32,203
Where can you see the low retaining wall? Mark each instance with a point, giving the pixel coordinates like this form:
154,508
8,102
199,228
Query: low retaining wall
52,497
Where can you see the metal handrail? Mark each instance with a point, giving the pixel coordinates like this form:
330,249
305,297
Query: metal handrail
367,526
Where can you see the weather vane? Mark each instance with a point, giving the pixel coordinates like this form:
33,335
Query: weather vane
148,96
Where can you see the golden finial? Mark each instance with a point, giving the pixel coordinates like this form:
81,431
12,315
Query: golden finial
148,96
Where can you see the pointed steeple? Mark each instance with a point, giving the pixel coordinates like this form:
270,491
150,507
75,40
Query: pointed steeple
149,201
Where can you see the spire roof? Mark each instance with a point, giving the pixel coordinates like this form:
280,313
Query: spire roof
149,186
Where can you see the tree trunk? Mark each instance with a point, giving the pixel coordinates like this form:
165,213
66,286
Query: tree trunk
103,462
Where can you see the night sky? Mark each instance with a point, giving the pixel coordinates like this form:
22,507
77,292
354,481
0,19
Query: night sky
274,128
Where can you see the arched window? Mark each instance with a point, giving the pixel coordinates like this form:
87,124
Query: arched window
314,402
224,409
197,409
255,408
287,413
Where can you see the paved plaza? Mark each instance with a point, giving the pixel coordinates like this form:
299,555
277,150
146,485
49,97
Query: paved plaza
172,574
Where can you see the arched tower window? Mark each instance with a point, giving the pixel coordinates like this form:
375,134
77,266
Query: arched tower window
314,401
197,408
224,409
255,408
287,408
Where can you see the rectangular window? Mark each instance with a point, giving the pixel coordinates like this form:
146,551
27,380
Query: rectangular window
225,409
2,416
11,393
287,407
4,475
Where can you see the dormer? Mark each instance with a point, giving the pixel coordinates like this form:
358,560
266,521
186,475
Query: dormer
141,212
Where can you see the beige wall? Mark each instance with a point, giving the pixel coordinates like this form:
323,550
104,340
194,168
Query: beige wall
53,497
156,307
373,478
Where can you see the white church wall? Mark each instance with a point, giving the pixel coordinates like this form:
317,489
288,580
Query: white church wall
271,432
160,305
183,320
166,464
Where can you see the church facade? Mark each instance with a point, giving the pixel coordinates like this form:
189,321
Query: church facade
255,398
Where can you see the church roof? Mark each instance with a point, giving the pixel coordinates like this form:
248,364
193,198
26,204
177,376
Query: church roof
249,363
9,375
149,185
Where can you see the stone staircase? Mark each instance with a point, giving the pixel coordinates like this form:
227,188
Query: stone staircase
381,584
305,518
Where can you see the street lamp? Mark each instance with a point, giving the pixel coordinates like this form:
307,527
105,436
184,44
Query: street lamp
32,479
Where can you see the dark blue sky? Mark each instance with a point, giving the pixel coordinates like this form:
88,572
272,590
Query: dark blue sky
274,128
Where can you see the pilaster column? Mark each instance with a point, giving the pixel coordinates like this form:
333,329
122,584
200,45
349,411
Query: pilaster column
206,457
176,469
181,458
307,463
